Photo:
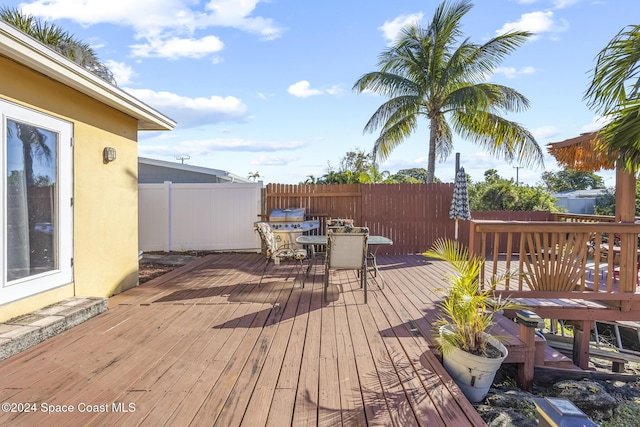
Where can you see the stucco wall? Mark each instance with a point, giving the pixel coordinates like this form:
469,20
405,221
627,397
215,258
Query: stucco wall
105,195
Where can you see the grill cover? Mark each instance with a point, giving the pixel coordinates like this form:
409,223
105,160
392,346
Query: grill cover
287,215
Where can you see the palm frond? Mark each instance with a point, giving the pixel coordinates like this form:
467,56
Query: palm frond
617,71
499,136
391,112
59,40
393,135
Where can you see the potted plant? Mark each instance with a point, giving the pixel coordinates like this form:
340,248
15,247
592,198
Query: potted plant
469,354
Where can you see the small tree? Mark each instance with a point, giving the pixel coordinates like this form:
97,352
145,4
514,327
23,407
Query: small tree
497,193
568,180
412,175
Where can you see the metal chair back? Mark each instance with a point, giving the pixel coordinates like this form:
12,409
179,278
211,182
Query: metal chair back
347,250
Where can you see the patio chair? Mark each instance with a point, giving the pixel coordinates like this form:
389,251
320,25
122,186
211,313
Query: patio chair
616,273
347,250
334,223
276,254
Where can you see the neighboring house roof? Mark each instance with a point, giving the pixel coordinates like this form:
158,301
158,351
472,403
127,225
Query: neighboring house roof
577,194
31,53
219,173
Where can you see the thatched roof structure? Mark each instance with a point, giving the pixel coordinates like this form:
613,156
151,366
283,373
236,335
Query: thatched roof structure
581,153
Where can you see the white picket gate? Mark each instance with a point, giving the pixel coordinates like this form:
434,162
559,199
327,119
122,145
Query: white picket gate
177,217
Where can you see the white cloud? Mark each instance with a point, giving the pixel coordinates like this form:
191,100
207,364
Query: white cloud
175,47
597,123
165,27
207,147
143,15
561,4
391,29
274,160
334,90
121,72
191,112
535,22
512,72
544,132
236,13
302,89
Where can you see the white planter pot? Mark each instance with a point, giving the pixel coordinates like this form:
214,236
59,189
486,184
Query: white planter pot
473,374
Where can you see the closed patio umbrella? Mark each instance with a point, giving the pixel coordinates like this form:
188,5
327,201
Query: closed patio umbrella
460,202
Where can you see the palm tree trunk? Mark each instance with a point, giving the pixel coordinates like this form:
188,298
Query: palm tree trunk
431,160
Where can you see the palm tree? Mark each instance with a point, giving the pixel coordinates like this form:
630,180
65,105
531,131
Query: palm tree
34,145
615,93
58,39
425,74
254,175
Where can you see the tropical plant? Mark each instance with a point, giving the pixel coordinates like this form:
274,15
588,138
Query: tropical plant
356,167
606,202
424,74
412,175
467,309
615,93
58,39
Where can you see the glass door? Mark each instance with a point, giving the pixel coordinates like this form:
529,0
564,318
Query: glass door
37,211
31,200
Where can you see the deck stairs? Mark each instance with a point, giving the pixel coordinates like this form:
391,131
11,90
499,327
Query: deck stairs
542,353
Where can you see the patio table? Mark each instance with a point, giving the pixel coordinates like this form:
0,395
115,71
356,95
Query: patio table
374,241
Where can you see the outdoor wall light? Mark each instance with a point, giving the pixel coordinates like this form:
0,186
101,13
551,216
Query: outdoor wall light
108,154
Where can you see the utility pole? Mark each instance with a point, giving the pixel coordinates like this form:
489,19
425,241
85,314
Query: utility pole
517,168
183,158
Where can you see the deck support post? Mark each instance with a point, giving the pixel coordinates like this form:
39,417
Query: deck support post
528,322
581,338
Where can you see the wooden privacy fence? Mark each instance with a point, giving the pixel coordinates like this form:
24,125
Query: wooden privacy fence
412,215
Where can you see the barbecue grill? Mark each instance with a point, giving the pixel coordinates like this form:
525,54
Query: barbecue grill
289,224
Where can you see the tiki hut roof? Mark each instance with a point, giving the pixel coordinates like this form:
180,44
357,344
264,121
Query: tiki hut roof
581,153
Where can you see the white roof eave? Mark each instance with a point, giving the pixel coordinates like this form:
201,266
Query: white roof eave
31,53
191,168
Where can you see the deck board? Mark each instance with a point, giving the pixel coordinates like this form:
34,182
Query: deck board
205,345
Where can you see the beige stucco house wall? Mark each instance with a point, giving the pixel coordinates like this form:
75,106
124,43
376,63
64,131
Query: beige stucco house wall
105,195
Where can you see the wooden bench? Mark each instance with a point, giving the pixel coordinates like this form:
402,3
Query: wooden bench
617,363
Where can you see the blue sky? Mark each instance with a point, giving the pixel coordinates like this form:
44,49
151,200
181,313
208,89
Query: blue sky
266,86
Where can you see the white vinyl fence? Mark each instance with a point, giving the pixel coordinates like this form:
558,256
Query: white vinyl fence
177,217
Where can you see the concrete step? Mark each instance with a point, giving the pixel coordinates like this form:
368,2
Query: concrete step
22,332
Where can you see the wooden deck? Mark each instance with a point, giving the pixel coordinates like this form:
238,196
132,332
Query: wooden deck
204,345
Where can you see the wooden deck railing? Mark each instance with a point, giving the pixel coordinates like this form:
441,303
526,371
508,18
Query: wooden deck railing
554,258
